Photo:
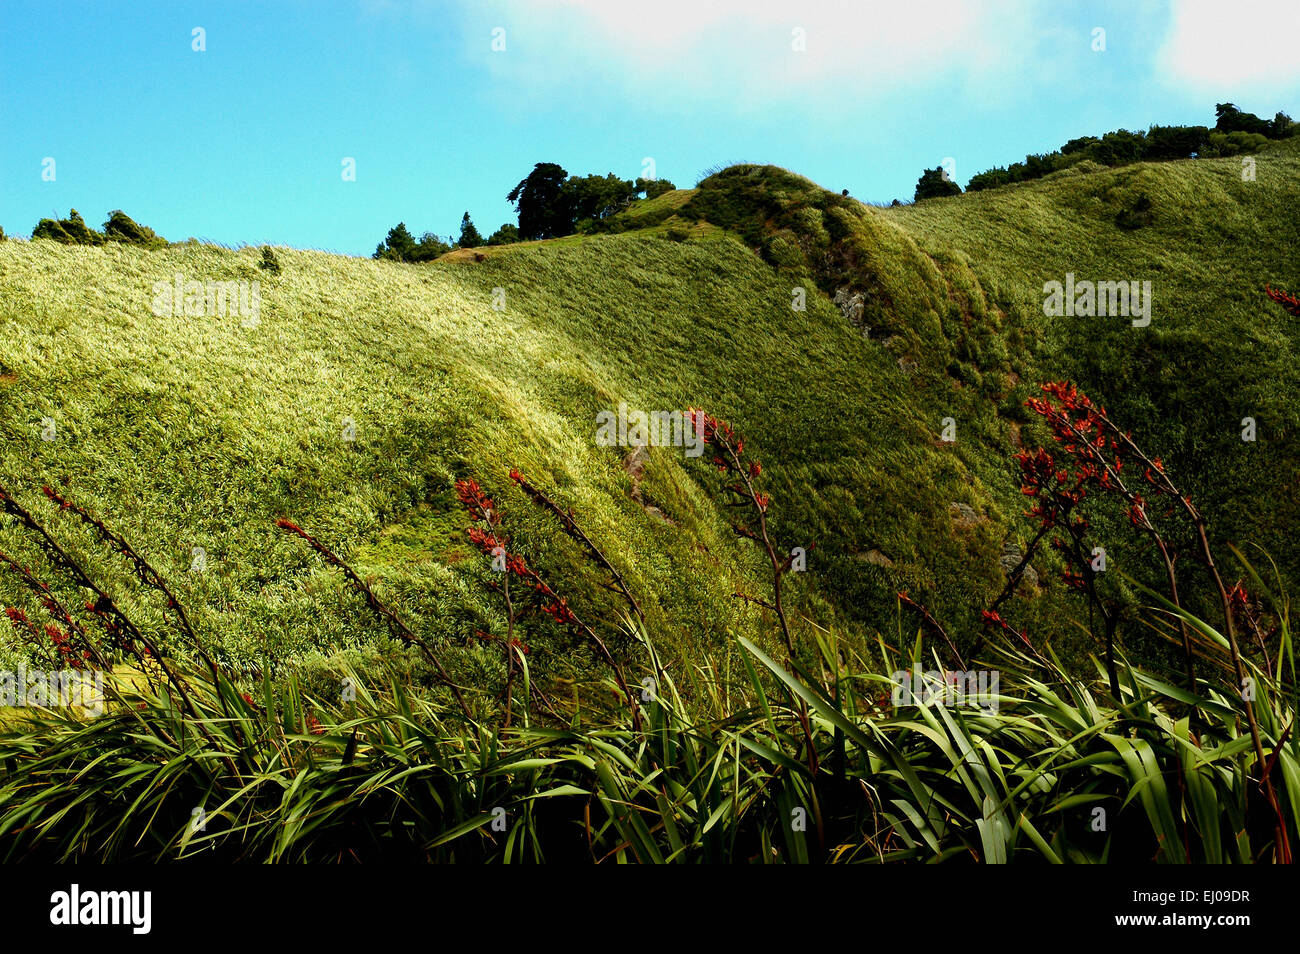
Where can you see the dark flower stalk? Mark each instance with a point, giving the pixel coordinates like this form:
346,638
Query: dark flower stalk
117,625
729,448
494,543
379,608
1097,448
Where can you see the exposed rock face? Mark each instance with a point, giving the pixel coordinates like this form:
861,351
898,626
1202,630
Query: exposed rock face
634,463
964,516
876,558
1010,559
851,305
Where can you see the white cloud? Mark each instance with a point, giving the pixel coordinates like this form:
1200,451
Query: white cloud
1237,47
741,52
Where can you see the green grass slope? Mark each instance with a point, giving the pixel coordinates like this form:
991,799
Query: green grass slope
199,432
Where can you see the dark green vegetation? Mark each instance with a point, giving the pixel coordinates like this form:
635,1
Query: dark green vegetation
269,261
120,227
550,203
934,184
469,234
1235,133
401,246
1062,777
368,388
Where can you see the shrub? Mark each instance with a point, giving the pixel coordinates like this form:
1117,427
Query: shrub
269,261
70,231
1175,142
1136,213
506,235
429,247
401,247
989,179
653,188
120,227
934,183
1234,143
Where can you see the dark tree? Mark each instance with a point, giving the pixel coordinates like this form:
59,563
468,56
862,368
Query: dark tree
597,197
989,179
1230,119
1175,142
1118,147
469,235
934,184
1079,145
653,188
399,246
540,202
429,247
506,235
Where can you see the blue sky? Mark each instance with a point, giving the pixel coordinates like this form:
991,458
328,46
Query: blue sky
245,140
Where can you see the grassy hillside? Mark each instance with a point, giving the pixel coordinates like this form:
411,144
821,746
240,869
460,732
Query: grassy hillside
199,432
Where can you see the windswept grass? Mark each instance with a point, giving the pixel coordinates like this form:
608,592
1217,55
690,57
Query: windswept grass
195,433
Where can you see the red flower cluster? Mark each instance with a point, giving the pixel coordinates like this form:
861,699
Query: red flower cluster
515,642
1094,450
495,544
479,504
1238,597
729,451
713,429
63,646
1089,458
991,618
1287,301
60,641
